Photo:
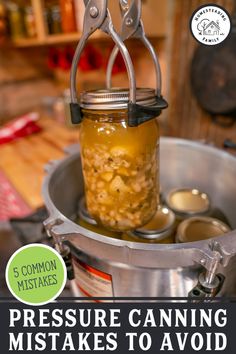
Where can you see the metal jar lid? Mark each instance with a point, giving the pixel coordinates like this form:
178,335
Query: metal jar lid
116,98
160,226
188,202
200,228
84,214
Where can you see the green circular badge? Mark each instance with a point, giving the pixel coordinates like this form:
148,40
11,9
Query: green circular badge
36,274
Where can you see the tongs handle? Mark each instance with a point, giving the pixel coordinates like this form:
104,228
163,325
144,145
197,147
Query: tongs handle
90,25
154,56
132,27
103,21
97,16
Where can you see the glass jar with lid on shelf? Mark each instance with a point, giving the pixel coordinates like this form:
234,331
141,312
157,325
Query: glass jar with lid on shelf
29,22
54,19
68,20
16,21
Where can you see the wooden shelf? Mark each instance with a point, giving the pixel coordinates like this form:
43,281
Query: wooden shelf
62,38
154,16
48,40
54,39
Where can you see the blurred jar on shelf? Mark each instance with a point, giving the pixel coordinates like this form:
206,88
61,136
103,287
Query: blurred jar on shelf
29,22
54,19
3,21
16,21
68,20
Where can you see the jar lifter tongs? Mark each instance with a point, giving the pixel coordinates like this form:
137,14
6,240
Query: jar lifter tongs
97,16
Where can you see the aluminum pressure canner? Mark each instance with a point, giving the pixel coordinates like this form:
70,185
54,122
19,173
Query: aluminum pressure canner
117,169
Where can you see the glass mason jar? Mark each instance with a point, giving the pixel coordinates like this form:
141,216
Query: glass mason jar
120,163
16,21
161,229
199,228
30,25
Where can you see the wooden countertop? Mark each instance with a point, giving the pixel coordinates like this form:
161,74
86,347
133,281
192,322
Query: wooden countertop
23,160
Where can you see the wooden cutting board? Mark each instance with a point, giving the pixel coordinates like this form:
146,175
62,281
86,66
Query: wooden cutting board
23,160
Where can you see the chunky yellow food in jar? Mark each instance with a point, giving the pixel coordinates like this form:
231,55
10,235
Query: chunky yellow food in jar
120,167
85,220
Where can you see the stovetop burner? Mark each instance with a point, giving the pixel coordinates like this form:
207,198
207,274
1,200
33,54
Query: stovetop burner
18,232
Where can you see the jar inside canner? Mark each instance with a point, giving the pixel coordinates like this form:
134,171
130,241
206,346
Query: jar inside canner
120,163
119,134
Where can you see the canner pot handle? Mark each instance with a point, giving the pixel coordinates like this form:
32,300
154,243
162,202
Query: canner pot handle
210,282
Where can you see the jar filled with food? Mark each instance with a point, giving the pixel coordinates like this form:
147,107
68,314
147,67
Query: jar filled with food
68,20
161,229
29,19
85,220
120,162
54,19
200,228
16,21
187,202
